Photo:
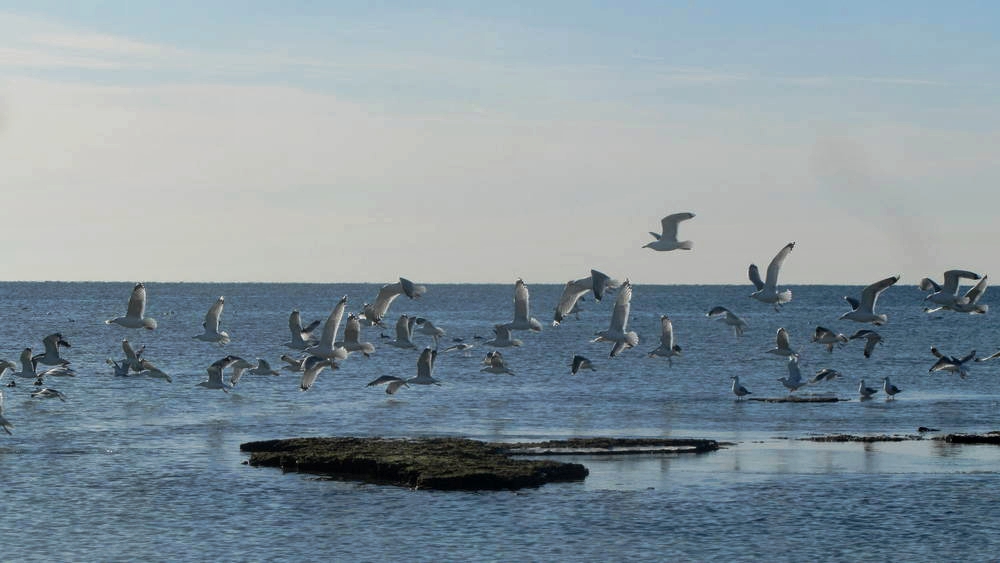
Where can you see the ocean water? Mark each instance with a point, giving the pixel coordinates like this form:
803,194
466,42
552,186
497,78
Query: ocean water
140,469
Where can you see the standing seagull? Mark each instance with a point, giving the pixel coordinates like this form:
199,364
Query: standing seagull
871,339
667,240
793,381
135,315
947,294
374,312
522,310
729,318
51,357
211,324
302,337
739,390
866,392
619,321
864,311
667,348
889,388
326,348
767,290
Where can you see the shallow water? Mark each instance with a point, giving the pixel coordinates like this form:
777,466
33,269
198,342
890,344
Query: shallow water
132,468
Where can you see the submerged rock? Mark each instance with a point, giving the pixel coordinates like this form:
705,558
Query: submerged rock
855,438
987,438
798,399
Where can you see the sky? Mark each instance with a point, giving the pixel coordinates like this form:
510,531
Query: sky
452,142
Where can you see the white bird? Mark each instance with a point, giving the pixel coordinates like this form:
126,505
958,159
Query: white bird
667,348
211,324
781,345
864,311
302,337
132,356
522,310
767,290
240,366
294,364
502,338
969,302
425,369
871,339
866,392
424,326
28,368
391,382
597,282
828,338
135,315
616,331
352,337
51,357
150,370
793,381
374,312
947,294
215,374
729,318
311,370
497,364
4,423
263,368
404,332
667,239
325,347
889,388
579,362
953,364
825,374
739,390
49,393
461,346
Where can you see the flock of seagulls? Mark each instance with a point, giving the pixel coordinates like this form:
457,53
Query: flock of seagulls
316,346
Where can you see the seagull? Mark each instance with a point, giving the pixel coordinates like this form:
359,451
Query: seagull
864,311
425,369
793,381
49,393
121,369
326,348
302,337
28,368
619,320
215,374
461,346
4,423
352,337
579,362
391,382
667,240
739,390
825,374
767,291
294,364
51,357
828,338
311,370
522,310
947,294
374,312
427,327
953,364
889,388
135,314
211,324
404,331
866,392
782,347
132,356
263,368
667,348
240,366
502,338
970,301
149,370
871,339
597,282
729,318
497,364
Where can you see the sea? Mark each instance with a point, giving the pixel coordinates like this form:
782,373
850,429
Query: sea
130,468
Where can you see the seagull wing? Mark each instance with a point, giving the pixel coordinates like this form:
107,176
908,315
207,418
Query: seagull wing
754,275
213,315
137,302
775,266
599,282
352,331
870,294
782,339
666,332
333,323
570,295
623,303
669,224
977,290
951,279
521,301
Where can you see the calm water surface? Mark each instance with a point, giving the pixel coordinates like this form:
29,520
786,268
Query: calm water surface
131,469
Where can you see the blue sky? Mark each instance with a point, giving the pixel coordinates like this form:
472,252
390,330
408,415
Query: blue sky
451,141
